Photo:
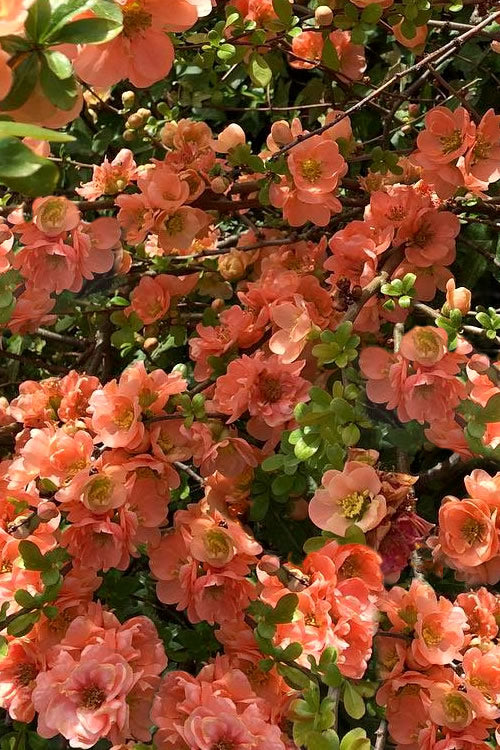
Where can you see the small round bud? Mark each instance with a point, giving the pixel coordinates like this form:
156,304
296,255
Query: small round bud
128,99
219,185
129,135
323,15
144,113
217,305
135,121
150,343
413,110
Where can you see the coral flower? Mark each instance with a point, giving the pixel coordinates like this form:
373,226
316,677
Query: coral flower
143,53
84,701
13,15
347,497
467,533
483,159
447,135
54,215
268,388
316,165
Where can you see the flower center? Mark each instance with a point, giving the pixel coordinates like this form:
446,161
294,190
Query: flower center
451,142
98,492
270,388
26,673
135,18
222,745
456,707
473,531
431,636
354,505
92,698
218,545
408,615
481,149
311,170
175,224
124,418
427,344
52,214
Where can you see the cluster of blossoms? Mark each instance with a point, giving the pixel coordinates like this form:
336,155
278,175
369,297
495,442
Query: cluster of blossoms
381,503
468,539
439,661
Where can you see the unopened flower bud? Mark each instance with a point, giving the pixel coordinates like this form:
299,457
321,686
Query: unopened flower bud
281,133
233,265
135,121
458,298
217,305
144,113
413,110
46,511
150,343
128,135
323,15
167,133
219,185
232,136
128,99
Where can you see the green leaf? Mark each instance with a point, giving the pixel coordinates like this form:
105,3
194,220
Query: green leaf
38,20
24,598
329,55
63,12
25,78
356,739
61,92
271,463
24,171
322,740
88,31
491,412
4,646
332,676
260,72
293,676
283,10
23,624
23,130
58,63
353,702
284,609
32,557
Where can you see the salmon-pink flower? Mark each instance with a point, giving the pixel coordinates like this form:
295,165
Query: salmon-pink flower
447,135
307,48
430,237
5,73
440,632
150,299
467,533
54,215
13,15
110,178
18,671
351,56
86,700
142,53
425,345
268,388
347,497
316,165
483,159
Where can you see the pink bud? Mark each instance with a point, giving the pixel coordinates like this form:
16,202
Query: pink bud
232,136
46,511
281,133
458,298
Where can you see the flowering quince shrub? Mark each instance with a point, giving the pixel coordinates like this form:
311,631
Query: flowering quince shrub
250,382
